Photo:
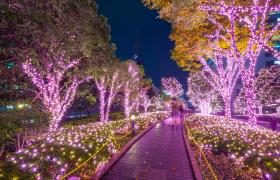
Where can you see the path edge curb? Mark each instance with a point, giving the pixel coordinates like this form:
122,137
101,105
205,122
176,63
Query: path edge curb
196,170
116,157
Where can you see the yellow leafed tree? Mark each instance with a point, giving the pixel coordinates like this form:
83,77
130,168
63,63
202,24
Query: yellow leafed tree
190,27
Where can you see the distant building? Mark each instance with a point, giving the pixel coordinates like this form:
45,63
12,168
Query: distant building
266,59
155,90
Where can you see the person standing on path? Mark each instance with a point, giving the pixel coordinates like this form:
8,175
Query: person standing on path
182,113
174,111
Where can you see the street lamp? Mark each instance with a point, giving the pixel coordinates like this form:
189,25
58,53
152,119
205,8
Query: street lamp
20,106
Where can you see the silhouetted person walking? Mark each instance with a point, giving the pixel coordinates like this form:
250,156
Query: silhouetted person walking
174,111
182,113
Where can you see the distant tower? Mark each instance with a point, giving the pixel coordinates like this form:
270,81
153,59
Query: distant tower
136,49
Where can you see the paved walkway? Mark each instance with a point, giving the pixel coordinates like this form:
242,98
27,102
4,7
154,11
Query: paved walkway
158,155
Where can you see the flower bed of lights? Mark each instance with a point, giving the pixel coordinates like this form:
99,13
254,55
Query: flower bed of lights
52,156
248,150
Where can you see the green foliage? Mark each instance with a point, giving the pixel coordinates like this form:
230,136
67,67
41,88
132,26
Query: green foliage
87,95
19,121
31,27
8,129
270,165
116,115
252,161
91,118
81,121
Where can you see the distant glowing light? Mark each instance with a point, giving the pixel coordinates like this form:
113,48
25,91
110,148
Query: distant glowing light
20,106
133,117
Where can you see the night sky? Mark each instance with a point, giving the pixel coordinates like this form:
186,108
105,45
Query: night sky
136,30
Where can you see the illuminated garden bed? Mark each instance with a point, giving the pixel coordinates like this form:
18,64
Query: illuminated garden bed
234,148
72,151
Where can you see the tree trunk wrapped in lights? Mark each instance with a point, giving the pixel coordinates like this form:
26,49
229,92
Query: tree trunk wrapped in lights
127,104
201,93
56,88
156,102
108,86
223,75
252,20
240,103
146,103
115,87
145,100
100,84
266,88
132,87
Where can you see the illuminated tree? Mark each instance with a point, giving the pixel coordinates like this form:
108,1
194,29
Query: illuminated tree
172,86
26,25
190,25
244,33
108,85
156,101
200,92
252,20
217,103
267,86
145,91
32,26
222,74
144,99
55,79
132,85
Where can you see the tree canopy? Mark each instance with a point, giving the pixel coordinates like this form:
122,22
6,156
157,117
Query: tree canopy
267,86
191,27
30,27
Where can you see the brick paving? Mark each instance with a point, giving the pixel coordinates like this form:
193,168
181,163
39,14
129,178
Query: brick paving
159,155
